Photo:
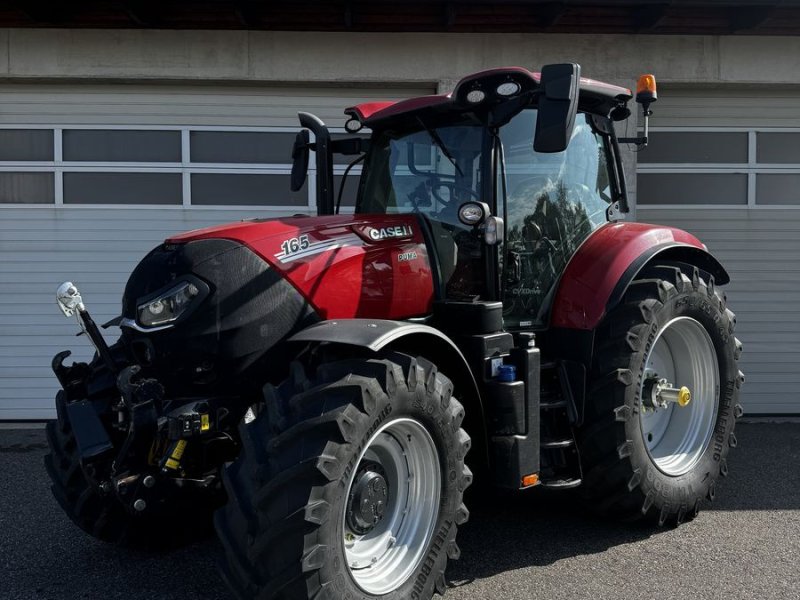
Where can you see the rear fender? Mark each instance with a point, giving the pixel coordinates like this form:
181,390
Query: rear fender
415,339
605,265
690,255
595,281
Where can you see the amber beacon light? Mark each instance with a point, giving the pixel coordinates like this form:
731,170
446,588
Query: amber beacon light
646,94
646,90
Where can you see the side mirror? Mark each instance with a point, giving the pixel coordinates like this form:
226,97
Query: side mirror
300,153
558,107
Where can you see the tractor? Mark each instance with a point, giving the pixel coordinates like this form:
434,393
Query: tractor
321,389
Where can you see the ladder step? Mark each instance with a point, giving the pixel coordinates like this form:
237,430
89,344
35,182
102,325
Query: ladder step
553,405
551,444
560,484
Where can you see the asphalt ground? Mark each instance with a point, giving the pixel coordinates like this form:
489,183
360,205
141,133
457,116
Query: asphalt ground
530,546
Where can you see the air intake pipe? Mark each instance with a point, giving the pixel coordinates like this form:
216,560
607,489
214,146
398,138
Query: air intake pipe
322,146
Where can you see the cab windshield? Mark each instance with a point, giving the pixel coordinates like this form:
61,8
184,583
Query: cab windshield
552,202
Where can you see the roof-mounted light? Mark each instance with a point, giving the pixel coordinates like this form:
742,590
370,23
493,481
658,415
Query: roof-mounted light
353,125
493,86
476,96
509,88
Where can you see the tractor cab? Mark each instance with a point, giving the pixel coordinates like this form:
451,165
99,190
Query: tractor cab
508,175
487,196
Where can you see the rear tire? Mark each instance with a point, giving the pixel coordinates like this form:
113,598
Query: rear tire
181,520
659,463
288,527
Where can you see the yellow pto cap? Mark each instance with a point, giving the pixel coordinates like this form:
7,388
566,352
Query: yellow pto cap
684,396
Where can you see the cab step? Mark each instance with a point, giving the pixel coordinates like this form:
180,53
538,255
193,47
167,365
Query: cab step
556,444
553,405
560,484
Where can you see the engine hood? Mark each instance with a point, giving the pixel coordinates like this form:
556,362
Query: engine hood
371,266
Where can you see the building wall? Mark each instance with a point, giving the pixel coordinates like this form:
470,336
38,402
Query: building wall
174,64
331,58
381,58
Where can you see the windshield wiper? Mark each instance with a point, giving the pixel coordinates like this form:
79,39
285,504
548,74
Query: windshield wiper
440,144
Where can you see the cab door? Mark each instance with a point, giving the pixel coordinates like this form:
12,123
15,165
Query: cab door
553,203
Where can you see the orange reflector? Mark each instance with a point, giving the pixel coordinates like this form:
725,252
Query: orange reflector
530,480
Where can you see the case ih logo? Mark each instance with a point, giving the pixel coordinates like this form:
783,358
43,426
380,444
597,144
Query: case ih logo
383,233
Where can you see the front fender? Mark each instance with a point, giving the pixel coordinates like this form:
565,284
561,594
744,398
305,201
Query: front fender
415,339
402,336
610,259
375,334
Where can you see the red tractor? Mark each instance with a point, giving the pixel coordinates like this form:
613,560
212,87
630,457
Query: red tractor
319,381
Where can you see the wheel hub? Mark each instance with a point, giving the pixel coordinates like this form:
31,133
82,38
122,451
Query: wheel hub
368,499
659,393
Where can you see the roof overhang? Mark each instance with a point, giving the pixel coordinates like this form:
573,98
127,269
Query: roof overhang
762,17
595,96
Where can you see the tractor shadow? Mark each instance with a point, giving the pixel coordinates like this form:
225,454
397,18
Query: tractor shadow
509,531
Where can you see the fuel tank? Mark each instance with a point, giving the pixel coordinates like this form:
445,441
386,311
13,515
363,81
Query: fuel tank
372,266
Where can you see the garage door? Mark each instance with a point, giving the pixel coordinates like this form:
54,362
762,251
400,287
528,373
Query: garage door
725,165
94,176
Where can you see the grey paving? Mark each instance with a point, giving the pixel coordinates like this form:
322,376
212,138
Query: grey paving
747,545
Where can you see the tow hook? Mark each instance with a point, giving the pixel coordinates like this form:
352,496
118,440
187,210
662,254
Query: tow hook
73,378
659,393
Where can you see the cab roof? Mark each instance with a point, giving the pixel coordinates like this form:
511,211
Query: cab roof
595,96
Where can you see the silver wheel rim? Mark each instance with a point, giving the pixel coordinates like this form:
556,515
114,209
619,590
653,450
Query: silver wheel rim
381,560
676,437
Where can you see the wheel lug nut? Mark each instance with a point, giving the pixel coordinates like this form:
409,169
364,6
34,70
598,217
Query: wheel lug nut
140,505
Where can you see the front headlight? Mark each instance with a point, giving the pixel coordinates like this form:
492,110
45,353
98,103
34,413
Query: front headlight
168,306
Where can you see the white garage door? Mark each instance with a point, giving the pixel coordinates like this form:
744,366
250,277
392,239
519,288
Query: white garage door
725,165
94,176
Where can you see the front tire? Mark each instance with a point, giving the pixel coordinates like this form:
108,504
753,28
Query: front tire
644,456
349,485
